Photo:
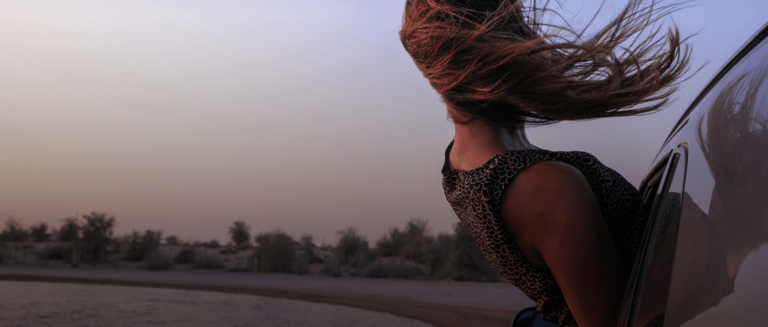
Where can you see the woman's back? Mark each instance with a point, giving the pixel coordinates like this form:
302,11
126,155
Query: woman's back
477,196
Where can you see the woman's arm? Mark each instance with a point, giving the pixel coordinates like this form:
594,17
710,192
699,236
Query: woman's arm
556,222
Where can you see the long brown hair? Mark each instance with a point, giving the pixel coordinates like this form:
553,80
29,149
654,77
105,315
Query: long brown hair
492,59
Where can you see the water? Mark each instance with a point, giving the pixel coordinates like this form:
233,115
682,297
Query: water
59,304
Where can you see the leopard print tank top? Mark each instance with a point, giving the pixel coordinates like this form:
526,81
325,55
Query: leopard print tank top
475,196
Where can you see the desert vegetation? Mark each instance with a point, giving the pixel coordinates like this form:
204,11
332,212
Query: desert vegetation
406,252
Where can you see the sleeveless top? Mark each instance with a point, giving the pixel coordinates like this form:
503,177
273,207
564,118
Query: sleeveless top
475,196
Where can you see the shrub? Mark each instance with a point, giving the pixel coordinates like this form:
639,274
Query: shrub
184,257
61,252
349,245
206,262
467,262
393,269
158,262
70,230
39,233
96,235
276,252
141,247
14,231
240,233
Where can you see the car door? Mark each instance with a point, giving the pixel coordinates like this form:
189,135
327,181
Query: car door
703,261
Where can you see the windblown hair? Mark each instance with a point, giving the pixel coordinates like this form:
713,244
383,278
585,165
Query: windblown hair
494,60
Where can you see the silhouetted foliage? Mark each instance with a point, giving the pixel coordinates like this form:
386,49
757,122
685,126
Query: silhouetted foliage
142,246
276,252
172,240
414,245
14,231
158,262
240,233
309,249
349,245
70,229
382,269
39,233
97,234
212,244
184,257
467,262
416,241
391,244
206,262
307,245
61,252
438,253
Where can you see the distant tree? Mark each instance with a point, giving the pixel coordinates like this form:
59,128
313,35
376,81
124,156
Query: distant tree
39,233
97,234
14,231
240,233
391,244
143,245
276,252
350,243
416,240
172,240
212,244
439,253
307,245
70,229
467,262
184,257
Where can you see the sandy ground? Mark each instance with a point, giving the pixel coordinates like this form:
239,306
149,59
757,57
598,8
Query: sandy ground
440,303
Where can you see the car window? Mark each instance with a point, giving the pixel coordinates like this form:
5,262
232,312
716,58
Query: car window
719,272
651,278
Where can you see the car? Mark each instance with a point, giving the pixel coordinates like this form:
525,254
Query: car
702,261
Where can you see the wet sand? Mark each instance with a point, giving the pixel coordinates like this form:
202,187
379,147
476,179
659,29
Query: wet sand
440,303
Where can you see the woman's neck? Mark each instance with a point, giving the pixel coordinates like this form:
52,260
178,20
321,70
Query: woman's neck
478,141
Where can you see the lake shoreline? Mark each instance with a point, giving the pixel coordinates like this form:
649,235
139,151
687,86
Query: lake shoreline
423,304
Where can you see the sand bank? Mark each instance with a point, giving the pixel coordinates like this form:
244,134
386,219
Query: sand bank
442,303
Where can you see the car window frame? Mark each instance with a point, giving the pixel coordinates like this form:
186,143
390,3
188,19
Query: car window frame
660,235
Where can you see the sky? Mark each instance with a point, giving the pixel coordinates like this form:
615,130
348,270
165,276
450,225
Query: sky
304,116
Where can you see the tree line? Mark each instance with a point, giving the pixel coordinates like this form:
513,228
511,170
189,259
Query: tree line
407,252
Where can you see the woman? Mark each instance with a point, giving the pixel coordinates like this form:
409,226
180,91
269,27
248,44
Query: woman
559,225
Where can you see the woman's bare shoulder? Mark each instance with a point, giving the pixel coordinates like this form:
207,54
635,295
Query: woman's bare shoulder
545,200
547,187
552,215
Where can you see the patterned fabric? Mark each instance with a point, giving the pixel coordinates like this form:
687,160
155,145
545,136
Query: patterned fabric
475,196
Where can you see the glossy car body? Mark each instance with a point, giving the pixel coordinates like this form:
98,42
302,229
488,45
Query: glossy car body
703,261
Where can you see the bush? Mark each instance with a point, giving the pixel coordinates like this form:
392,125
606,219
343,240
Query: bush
391,269
39,233
184,257
96,236
206,262
467,262
349,245
158,262
61,252
142,246
14,231
276,252
70,230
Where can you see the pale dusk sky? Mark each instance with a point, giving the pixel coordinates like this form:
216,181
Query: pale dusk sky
306,116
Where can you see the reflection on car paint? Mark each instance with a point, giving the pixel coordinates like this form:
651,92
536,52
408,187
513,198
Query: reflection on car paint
723,234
